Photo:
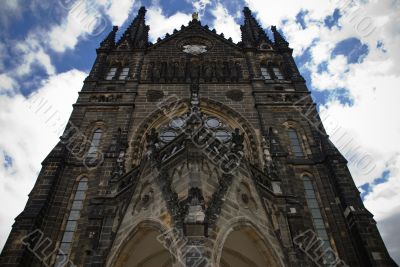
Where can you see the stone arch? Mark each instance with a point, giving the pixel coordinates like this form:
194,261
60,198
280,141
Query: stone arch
141,247
209,106
244,241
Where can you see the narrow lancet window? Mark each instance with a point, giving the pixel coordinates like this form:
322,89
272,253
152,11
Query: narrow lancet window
124,74
111,74
295,143
315,210
72,223
94,144
278,74
265,73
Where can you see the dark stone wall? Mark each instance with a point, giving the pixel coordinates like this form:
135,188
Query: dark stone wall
126,110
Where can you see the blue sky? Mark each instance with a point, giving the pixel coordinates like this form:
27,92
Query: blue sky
348,54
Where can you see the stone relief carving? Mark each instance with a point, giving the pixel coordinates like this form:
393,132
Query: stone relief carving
195,49
194,70
105,98
245,198
145,198
235,95
154,95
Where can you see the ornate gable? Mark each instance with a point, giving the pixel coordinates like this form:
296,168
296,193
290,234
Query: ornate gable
194,53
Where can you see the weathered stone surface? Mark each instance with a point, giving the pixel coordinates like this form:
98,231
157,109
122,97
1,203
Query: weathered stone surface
184,189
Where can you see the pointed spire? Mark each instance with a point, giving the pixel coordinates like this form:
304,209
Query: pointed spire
280,42
137,34
252,33
109,42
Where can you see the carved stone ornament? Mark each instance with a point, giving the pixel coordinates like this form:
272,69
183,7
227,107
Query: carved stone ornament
195,49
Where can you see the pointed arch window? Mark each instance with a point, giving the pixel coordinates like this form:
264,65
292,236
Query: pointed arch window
124,74
278,73
295,143
111,73
94,144
265,73
72,223
315,209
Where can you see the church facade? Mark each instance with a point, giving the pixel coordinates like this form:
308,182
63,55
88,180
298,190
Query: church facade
195,151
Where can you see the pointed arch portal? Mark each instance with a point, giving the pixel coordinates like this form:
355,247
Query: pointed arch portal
144,250
244,247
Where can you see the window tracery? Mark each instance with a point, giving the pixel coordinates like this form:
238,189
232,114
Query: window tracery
176,126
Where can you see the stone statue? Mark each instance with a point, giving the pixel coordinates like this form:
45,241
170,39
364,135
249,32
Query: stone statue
237,140
176,71
233,71
238,71
219,71
181,75
170,72
208,71
194,71
152,144
156,72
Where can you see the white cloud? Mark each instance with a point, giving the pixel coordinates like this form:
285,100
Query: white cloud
200,5
333,77
225,23
275,12
118,11
160,24
29,136
32,53
83,18
10,9
7,84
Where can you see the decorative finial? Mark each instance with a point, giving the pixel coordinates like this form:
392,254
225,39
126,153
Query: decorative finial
195,16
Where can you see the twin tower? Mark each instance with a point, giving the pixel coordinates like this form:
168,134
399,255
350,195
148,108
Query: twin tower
194,151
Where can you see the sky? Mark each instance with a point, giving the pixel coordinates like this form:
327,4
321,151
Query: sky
348,52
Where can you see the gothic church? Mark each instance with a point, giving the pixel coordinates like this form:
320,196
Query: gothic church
194,151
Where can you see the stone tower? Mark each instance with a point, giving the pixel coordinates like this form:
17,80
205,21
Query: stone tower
194,151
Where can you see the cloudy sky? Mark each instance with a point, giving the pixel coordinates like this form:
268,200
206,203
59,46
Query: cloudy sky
348,51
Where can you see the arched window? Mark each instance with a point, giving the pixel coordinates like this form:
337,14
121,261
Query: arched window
124,73
72,223
265,73
295,143
315,210
94,144
111,73
277,72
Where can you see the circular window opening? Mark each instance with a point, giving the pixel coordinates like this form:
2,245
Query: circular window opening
212,123
168,136
177,123
223,135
